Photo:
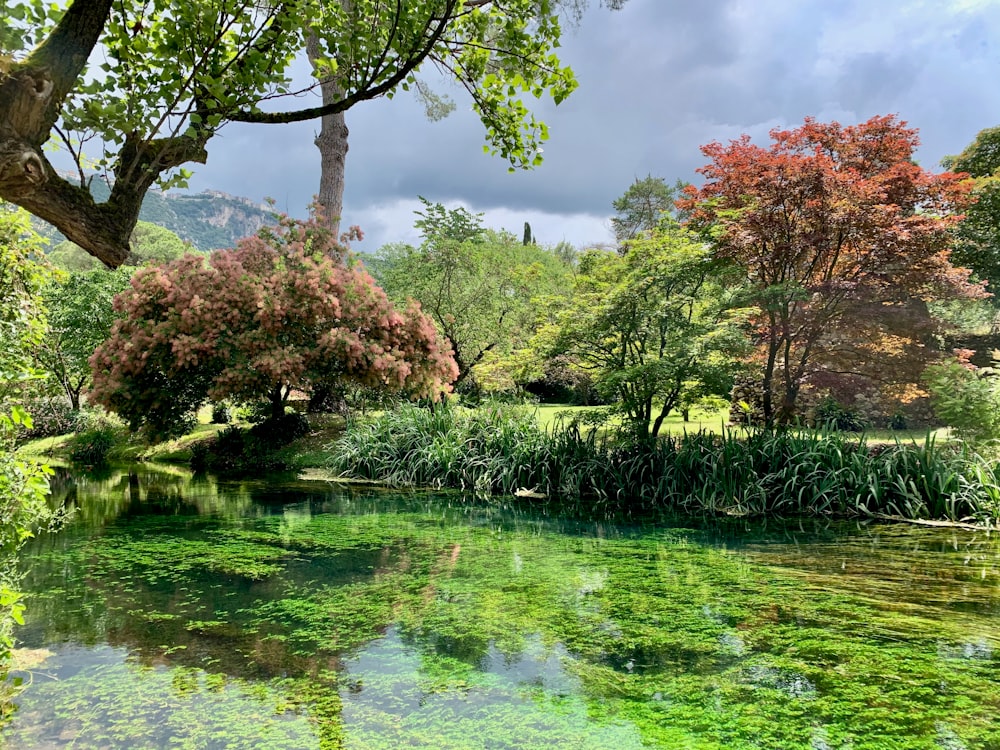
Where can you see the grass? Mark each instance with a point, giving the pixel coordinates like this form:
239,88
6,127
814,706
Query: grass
550,416
716,422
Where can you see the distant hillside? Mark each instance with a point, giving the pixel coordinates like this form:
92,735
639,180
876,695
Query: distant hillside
208,220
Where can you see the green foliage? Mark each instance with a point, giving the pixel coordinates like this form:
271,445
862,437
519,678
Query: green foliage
656,325
645,205
81,313
23,483
96,438
250,451
966,398
830,414
485,290
149,242
759,472
221,413
978,236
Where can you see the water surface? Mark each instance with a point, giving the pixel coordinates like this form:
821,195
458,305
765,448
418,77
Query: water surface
176,612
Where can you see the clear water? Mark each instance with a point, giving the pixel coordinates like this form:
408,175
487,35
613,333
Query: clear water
175,612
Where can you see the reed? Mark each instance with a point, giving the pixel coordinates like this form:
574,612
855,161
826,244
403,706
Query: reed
499,449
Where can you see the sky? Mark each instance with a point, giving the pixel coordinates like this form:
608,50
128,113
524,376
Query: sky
657,80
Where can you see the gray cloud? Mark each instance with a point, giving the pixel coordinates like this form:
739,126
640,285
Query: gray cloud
657,80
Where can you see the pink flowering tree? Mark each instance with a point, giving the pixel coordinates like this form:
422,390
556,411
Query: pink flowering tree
287,309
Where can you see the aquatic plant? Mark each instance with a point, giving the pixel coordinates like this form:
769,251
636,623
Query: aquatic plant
501,449
325,618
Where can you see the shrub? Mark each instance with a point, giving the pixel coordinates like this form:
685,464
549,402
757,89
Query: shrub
831,415
238,451
221,413
97,436
49,417
965,398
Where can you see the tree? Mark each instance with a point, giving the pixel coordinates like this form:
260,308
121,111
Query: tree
826,219
643,206
286,309
656,325
149,242
81,314
507,61
978,245
177,72
479,286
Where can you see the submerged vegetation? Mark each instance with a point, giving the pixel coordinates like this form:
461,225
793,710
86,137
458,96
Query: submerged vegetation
204,614
739,472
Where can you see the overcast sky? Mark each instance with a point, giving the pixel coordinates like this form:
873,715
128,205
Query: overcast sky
657,80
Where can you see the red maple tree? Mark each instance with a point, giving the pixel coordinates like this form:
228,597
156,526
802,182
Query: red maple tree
825,221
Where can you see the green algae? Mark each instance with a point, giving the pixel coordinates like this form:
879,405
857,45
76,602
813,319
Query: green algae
322,618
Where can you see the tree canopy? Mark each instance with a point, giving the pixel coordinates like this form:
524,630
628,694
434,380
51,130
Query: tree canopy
643,206
283,310
173,73
81,313
480,286
656,324
826,220
978,235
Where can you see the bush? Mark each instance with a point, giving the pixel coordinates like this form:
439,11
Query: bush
49,417
221,413
240,451
829,414
97,436
965,398
281,431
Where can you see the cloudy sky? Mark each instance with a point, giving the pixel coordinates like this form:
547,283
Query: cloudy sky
657,80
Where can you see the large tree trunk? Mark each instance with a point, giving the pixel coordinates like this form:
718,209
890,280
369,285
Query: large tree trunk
32,94
332,145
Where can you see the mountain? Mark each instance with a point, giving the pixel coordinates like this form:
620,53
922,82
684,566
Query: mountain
208,220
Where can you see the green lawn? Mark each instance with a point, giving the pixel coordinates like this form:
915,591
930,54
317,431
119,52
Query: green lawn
550,415
714,421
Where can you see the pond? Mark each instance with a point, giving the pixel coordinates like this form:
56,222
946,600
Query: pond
182,612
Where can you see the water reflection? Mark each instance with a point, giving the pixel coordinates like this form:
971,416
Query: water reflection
319,616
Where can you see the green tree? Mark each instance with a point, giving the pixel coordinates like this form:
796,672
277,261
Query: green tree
175,72
644,205
80,309
284,310
656,325
149,242
978,235
965,397
23,483
480,286
332,139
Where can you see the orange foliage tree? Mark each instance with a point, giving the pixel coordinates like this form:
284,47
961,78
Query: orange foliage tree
286,309
826,222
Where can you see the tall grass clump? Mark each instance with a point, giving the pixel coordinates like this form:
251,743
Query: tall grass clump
501,449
